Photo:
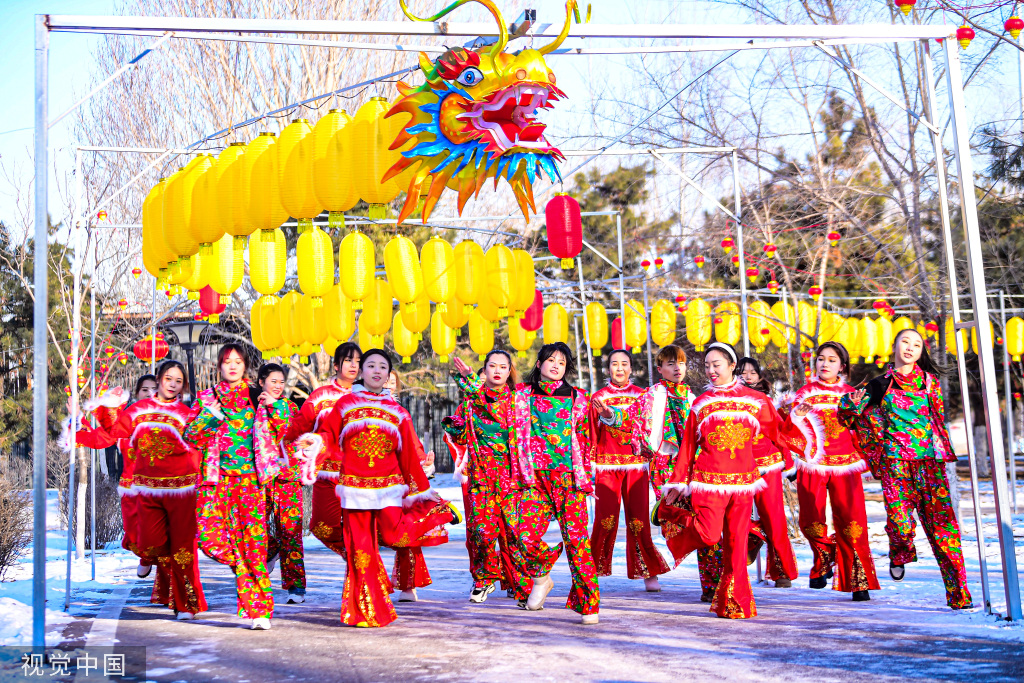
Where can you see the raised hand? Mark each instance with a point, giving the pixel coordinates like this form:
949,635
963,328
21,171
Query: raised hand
602,408
461,367
802,409
858,396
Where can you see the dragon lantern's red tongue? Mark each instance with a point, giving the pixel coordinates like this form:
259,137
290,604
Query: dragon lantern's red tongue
532,132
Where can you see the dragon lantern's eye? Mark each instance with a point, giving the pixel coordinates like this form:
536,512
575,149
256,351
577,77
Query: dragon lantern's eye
471,76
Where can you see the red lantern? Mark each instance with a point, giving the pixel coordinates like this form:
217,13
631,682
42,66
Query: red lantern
905,5
533,317
806,355
765,331
727,244
209,303
815,292
67,390
123,304
659,262
645,264
879,306
932,327
137,272
752,273
101,216
718,321
807,373
1016,395
964,36
122,358
618,339
1014,25
143,349
110,351
770,249
833,238
680,298
773,286
735,260
699,260
81,381
104,367
565,228
999,341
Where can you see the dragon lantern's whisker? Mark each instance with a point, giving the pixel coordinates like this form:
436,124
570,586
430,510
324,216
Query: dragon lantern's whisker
499,46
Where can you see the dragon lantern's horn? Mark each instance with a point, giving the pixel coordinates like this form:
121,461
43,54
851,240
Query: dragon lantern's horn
498,47
557,42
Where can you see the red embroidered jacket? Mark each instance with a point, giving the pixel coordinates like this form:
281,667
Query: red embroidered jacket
308,418
373,439
717,451
612,443
828,447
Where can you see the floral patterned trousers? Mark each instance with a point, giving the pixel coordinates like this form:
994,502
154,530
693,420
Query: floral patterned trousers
167,531
632,486
848,548
325,516
284,510
553,496
232,516
492,540
921,485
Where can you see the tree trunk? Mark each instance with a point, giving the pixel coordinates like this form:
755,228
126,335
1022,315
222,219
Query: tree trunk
81,491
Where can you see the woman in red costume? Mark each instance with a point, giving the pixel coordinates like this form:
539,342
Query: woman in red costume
381,487
832,466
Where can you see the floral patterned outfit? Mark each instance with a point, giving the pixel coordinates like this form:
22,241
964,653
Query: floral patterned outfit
831,465
551,461
621,474
480,430
901,423
384,494
284,501
239,464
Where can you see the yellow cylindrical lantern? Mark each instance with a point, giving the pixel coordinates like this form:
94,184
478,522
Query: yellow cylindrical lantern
416,319
152,231
900,324
489,310
312,320
526,283
268,258
837,327
854,343
1015,338
442,337
635,325
255,328
402,265
295,169
233,194
368,341
437,263
333,165
883,339
807,318
728,330
868,339
481,334
759,316
305,350
200,276
341,318
370,150
597,327
405,341
177,214
500,265
260,174
181,270
356,266
556,324
376,316
315,263
205,224
698,323
826,328
520,339
974,336
288,313
227,266
270,325
470,275
456,315
663,322
783,329
330,345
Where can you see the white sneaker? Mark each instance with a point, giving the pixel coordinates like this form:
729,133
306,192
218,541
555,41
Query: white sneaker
480,594
296,597
408,596
588,619
542,585
185,616
261,624
651,585
143,570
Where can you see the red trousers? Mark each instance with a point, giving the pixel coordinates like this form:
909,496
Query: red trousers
709,560
167,531
847,549
771,508
366,600
325,516
161,594
613,486
492,519
410,570
716,516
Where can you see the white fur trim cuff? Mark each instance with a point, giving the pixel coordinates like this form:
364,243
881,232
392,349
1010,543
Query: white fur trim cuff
352,498
771,468
852,468
409,501
108,400
620,468
758,485
160,493
215,412
307,470
676,486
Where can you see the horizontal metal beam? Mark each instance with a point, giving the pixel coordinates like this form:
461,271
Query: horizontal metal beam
877,32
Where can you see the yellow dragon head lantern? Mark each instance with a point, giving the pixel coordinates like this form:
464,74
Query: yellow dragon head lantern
475,118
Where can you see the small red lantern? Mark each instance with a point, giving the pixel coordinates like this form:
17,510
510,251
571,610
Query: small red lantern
699,261
533,317
67,390
618,340
806,356
143,349
645,264
680,298
659,262
170,294
964,36
879,306
773,286
807,373
123,304
735,260
932,327
103,388
815,292
905,5
110,351
718,321
999,341
565,228
770,249
137,272
752,274
101,216
765,331
1014,25
1016,395
833,238
122,358
727,244
209,303
81,381
684,308
104,367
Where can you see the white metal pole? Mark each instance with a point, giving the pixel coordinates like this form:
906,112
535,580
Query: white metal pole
986,360
647,319
152,333
40,312
622,279
92,394
76,354
586,328
965,397
1008,402
742,266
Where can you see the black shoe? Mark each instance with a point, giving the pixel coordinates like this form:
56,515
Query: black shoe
897,571
861,596
819,582
828,572
707,596
754,544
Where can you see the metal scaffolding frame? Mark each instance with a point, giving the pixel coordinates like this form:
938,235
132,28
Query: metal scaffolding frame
780,36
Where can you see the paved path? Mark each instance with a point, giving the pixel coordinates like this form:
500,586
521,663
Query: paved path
905,632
